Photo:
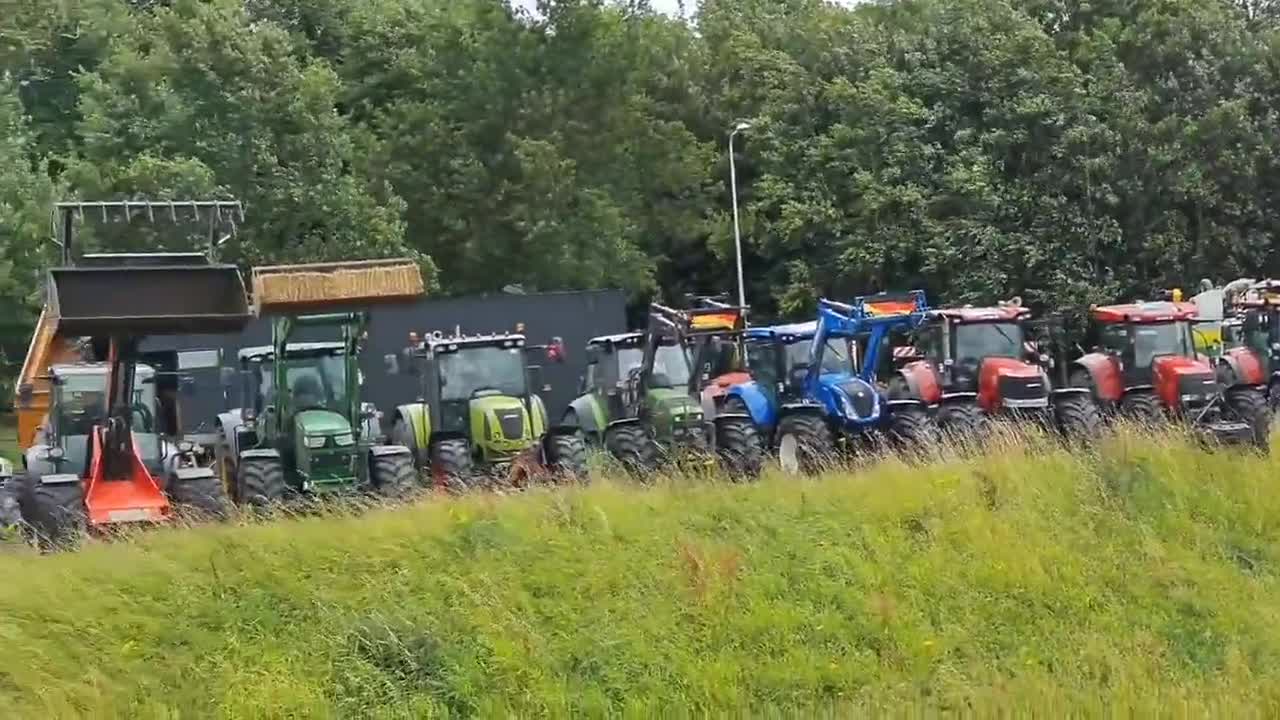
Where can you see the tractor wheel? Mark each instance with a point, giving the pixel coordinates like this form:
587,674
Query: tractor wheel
1142,407
805,444
633,447
393,476
910,426
567,456
260,481
1273,396
963,421
1250,406
739,447
206,496
1078,417
451,464
54,512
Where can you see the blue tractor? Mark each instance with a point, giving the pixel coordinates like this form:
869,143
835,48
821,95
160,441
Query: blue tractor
811,396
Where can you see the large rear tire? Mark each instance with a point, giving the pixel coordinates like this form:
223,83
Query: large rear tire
805,444
1250,406
205,496
632,447
963,420
1077,416
393,476
1142,407
567,456
451,466
260,481
739,448
54,512
910,426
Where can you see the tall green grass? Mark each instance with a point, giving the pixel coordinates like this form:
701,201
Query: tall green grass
1140,577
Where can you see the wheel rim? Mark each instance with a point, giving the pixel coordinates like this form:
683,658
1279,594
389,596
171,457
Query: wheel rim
789,454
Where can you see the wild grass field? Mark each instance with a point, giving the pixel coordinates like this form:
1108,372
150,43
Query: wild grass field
1137,578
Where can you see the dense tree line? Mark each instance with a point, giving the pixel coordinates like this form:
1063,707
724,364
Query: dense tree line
1063,150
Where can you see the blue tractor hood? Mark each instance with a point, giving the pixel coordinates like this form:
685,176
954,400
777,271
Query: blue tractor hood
850,398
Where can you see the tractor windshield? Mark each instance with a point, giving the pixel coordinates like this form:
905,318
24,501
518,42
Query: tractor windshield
82,403
670,365
835,357
1153,339
975,341
480,368
315,382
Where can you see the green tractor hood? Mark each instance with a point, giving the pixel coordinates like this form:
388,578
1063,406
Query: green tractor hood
326,450
674,413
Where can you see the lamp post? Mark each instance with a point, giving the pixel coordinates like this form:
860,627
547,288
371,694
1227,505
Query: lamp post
737,230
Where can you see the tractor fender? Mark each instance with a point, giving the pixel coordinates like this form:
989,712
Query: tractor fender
759,409
388,450
561,430
922,381
592,418
538,417
903,402
1057,392
260,453
1104,372
624,421
227,422
957,397
1244,365
419,422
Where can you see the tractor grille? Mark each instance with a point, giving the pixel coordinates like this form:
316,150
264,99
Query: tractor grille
1197,388
512,423
331,466
862,396
1022,388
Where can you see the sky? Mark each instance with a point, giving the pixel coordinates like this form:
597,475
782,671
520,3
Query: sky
667,6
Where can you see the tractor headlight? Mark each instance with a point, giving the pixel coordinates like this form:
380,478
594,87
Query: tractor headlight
316,442
344,440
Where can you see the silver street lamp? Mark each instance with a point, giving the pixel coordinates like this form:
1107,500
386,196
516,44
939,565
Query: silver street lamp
737,230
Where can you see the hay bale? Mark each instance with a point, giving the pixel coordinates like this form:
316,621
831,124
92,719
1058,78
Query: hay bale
317,285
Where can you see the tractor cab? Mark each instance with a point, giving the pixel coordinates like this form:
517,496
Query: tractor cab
614,363
1251,330
779,357
79,404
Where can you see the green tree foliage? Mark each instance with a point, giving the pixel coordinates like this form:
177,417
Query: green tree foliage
1068,152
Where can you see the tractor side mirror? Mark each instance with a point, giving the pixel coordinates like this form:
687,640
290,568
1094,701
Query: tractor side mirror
26,393
187,385
227,377
392,363
536,380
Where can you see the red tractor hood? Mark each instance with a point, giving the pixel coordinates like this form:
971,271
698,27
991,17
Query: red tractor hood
1174,375
1009,382
1179,365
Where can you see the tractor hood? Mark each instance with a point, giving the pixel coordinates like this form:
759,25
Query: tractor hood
855,399
669,401
1011,383
1180,380
322,422
501,426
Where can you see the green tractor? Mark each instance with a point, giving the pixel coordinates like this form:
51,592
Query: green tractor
478,417
302,428
641,395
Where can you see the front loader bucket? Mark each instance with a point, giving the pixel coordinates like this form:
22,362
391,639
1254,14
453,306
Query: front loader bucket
140,299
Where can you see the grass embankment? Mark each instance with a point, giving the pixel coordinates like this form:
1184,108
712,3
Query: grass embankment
1141,576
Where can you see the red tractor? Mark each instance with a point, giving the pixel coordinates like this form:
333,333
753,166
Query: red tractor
1144,365
973,364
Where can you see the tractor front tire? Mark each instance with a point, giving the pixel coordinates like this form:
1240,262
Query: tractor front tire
963,421
567,456
393,476
451,465
54,512
739,447
632,447
1078,416
910,426
1143,408
206,496
805,444
260,481
1250,406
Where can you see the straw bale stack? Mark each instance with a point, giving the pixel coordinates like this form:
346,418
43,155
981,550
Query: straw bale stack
318,285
